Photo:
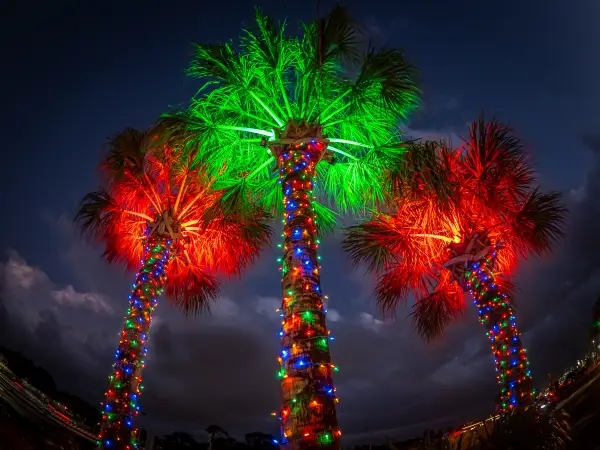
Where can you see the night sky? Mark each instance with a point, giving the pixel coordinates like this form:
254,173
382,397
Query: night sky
73,74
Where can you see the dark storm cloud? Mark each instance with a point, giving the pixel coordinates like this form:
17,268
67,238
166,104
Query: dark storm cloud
566,285
221,368
115,71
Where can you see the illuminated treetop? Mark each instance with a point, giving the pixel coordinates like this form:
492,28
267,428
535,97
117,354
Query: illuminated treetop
274,89
152,189
449,198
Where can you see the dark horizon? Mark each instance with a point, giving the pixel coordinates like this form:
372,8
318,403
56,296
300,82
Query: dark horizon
77,74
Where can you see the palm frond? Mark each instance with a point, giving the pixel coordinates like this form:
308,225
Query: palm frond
496,162
425,170
336,36
256,232
191,289
231,201
395,287
96,214
371,244
218,62
507,286
180,127
386,78
326,219
432,314
269,45
126,151
540,222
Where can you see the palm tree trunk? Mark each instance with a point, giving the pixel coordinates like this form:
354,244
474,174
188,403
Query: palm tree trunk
125,383
308,413
497,315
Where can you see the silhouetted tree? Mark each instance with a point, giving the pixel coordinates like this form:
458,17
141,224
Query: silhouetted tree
215,431
260,441
179,440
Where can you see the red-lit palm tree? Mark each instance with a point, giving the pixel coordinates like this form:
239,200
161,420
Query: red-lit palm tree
151,215
461,220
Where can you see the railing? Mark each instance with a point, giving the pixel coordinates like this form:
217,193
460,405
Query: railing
44,410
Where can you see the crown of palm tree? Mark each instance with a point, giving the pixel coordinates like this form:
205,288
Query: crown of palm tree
153,189
484,189
272,86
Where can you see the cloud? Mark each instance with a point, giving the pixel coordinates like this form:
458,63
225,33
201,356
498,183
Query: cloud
268,306
68,296
220,368
17,272
333,315
370,322
224,308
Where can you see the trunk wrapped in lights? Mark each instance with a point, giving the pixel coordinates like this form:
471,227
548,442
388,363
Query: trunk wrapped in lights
473,267
308,413
125,383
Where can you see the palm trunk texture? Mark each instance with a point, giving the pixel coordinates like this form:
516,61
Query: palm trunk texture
308,413
125,384
497,315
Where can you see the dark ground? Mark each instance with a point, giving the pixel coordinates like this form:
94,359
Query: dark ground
17,433
581,400
579,397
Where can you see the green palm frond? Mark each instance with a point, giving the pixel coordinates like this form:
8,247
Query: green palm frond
326,219
272,78
335,37
385,76
232,200
218,63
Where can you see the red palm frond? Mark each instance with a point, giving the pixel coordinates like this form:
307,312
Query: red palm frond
433,312
147,182
446,196
494,166
396,285
538,224
189,287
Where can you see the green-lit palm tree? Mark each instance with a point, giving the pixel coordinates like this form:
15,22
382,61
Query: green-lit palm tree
273,114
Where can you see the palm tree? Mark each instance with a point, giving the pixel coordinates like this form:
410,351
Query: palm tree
462,220
149,214
274,113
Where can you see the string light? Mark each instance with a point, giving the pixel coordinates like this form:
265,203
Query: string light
308,413
497,315
125,383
